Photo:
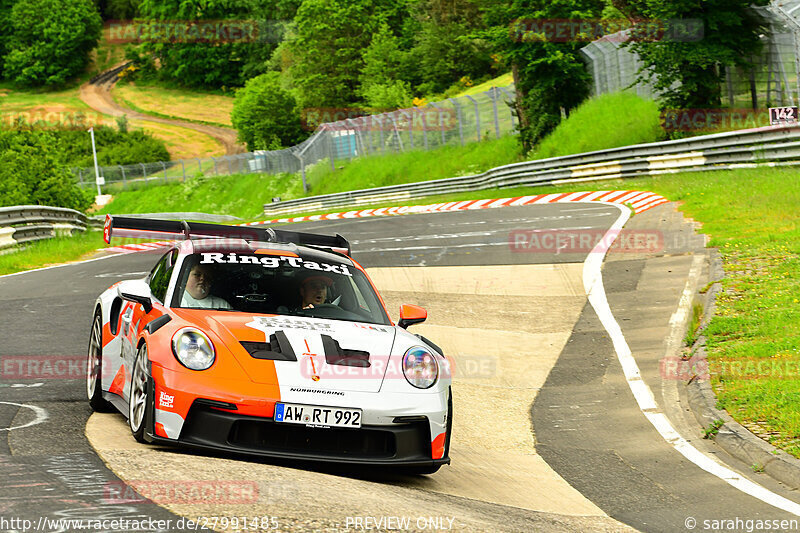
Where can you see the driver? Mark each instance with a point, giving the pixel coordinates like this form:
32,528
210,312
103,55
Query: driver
198,290
314,291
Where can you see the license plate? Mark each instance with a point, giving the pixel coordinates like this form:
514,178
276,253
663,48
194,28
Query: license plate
317,416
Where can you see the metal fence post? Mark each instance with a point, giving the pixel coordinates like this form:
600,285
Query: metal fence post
396,133
331,149
410,128
380,126
183,168
144,173
493,95
424,127
441,122
477,115
124,181
302,170
510,109
457,107
80,176
359,136
165,170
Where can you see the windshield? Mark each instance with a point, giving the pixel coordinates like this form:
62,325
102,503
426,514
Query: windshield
277,283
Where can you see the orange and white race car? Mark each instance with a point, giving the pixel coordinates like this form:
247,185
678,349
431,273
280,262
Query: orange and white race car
267,342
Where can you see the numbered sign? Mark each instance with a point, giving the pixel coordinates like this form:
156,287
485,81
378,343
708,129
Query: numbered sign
782,115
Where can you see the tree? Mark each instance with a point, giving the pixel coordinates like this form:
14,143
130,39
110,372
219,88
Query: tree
326,46
5,29
266,115
447,45
50,40
685,66
549,75
381,83
118,9
192,42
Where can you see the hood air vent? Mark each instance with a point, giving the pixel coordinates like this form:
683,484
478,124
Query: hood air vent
277,349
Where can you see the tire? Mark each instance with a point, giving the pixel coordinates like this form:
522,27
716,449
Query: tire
94,368
138,405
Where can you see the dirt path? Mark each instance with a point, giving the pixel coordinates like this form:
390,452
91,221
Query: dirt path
97,94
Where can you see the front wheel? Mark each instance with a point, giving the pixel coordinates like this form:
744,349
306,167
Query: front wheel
138,401
94,368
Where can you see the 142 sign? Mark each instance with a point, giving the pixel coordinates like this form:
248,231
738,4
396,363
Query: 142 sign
782,115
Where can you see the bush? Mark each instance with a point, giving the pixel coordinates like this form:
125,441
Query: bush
30,173
266,115
74,147
50,40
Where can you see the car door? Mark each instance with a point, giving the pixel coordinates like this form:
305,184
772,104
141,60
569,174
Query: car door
132,319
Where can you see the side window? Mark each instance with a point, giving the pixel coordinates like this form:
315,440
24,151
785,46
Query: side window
159,277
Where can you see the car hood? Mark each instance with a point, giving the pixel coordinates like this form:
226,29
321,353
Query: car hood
305,352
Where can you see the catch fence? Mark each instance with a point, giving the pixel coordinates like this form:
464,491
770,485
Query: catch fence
455,121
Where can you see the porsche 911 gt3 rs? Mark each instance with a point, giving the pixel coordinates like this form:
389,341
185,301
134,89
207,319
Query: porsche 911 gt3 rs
223,346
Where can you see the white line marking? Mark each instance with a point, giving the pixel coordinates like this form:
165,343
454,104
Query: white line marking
41,415
593,285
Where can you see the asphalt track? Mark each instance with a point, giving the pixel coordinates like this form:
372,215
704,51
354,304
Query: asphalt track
588,443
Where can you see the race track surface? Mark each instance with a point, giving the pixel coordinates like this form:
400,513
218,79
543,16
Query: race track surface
547,435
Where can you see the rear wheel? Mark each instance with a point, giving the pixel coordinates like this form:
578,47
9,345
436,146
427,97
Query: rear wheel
94,367
138,402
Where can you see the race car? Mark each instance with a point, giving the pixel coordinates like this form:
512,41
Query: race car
267,342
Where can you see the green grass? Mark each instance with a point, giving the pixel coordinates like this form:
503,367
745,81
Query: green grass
51,252
239,195
504,80
694,323
176,103
413,166
607,121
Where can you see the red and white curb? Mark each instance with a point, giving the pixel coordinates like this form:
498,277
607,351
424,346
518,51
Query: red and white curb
639,201
139,247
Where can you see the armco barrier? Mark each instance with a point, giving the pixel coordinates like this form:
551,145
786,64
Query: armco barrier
708,152
26,223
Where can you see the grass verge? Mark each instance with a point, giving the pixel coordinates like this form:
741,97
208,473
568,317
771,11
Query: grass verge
607,121
413,166
181,143
193,106
51,252
239,195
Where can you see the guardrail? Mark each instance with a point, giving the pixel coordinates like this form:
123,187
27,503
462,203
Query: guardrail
26,223
708,152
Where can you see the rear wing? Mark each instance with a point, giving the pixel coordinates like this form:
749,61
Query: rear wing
148,228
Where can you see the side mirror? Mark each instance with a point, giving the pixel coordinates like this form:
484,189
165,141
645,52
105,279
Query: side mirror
411,314
136,291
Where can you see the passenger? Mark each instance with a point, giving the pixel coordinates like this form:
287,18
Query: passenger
198,290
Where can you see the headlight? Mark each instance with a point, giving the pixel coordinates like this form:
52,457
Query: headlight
420,367
193,349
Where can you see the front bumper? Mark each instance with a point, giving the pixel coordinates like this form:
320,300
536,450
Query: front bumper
407,444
